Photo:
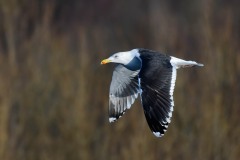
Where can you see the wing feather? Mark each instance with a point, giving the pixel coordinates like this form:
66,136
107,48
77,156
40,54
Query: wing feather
124,90
157,83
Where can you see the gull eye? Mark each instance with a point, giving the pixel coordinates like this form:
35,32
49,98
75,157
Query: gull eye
116,56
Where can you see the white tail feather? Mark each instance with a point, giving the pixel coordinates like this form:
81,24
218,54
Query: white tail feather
180,63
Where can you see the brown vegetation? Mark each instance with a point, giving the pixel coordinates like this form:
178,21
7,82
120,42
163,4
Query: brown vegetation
54,93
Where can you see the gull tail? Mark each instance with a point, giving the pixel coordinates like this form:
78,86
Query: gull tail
180,63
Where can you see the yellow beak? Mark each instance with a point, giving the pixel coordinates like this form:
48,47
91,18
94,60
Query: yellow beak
105,61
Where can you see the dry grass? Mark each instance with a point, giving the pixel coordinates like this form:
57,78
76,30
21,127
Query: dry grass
54,93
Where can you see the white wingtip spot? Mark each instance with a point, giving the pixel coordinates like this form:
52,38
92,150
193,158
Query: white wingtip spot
136,95
165,126
112,119
157,134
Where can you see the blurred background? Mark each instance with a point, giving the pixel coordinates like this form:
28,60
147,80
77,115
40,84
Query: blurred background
54,92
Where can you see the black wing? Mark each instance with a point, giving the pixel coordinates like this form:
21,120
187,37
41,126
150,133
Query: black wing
157,83
124,90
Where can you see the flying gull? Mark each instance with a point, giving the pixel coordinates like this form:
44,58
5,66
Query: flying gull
150,74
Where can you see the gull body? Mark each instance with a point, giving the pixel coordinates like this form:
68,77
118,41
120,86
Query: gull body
151,75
